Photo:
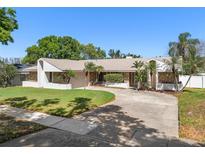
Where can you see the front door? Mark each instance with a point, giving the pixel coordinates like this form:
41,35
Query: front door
100,77
132,79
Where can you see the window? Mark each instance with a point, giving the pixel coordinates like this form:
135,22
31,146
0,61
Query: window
50,77
166,77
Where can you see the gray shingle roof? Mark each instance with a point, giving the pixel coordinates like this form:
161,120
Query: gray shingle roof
110,65
29,69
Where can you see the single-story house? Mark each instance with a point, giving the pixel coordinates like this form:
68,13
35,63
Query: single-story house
20,75
47,72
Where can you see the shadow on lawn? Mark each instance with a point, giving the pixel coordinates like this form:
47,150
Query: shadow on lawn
115,128
60,111
80,105
46,102
24,102
77,106
20,102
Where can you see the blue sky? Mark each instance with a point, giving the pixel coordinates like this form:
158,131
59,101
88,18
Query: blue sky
144,31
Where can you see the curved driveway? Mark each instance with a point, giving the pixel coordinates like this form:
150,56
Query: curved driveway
142,116
133,119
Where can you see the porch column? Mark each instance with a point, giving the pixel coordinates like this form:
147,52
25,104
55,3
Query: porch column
149,79
157,80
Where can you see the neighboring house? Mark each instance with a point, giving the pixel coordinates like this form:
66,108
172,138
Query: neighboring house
47,73
21,75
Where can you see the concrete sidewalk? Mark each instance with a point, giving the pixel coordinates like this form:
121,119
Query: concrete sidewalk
66,124
64,132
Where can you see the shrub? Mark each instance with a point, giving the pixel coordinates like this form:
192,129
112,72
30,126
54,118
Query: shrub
7,73
114,78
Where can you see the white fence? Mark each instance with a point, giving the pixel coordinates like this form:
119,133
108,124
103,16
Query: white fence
195,81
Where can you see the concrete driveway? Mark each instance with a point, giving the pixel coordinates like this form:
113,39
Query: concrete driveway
135,118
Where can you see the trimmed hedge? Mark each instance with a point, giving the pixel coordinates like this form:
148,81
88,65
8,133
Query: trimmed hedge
114,78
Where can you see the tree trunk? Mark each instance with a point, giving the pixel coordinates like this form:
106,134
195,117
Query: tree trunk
97,76
68,80
176,83
186,83
151,80
88,78
138,85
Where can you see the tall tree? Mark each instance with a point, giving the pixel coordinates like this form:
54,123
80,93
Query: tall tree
7,73
152,70
114,53
182,47
98,70
53,47
89,51
174,64
8,24
140,73
193,65
89,67
187,47
133,55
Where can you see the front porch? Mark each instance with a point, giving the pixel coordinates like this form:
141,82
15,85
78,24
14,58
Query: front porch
53,81
159,81
99,80
166,81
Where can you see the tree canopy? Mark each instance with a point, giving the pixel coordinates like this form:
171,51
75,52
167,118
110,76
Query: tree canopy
7,73
53,47
8,24
116,54
64,47
89,51
187,48
183,46
140,73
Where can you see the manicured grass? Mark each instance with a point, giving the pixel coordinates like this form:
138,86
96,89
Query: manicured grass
11,128
192,114
56,102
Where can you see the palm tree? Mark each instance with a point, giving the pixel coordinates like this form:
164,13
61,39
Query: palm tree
114,54
181,48
133,55
173,63
68,75
98,70
152,70
89,67
193,65
140,74
138,65
118,54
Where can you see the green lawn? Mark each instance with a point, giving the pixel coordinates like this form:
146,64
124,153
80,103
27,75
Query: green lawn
56,102
192,114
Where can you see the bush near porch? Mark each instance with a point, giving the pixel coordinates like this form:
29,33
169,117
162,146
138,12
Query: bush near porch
66,103
114,78
192,114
